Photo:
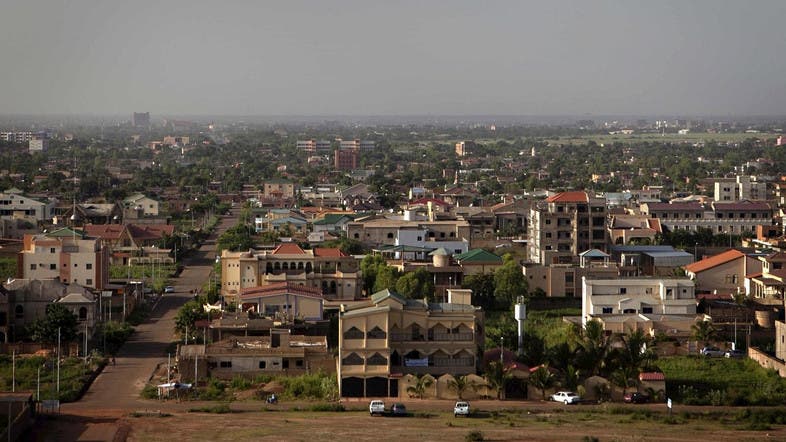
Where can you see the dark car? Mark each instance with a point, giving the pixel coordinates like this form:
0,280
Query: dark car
736,354
398,410
636,398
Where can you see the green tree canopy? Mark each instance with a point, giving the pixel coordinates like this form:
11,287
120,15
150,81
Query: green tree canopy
44,330
509,283
417,284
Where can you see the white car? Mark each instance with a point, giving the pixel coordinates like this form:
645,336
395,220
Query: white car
376,407
461,409
566,397
169,289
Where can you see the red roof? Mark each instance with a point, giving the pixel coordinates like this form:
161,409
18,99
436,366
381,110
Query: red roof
652,376
150,231
329,252
279,289
741,205
104,231
569,197
713,261
674,206
288,248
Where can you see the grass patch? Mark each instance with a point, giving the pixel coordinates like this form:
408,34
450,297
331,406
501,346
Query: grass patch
149,413
334,407
215,409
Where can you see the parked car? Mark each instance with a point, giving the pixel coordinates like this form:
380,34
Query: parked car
169,289
461,409
713,352
566,397
376,407
735,354
636,398
398,409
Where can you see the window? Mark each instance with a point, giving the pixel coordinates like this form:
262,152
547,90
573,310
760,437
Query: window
623,290
607,310
82,313
89,281
19,312
285,363
52,266
352,359
377,359
76,265
225,364
32,266
390,235
89,266
299,363
646,310
629,311
353,333
376,333
52,250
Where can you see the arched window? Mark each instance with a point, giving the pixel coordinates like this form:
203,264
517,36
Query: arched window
285,266
352,359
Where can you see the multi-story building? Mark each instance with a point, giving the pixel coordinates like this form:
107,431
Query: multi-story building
390,336
279,189
463,148
15,205
137,202
140,119
37,145
666,305
724,273
376,231
769,285
564,225
742,187
17,137
314,147
346,159
565,279
66,255
733,218
329,270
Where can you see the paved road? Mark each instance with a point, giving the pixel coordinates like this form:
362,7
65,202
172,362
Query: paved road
119,385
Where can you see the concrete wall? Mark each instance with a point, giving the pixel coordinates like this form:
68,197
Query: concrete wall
768,361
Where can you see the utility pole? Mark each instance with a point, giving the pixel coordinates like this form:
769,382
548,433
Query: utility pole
13,371
58,362
85,342
38,386
168,362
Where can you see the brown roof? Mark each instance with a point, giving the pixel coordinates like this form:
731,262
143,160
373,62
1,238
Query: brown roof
674,206
150,231
652,376
713,261
104,231
742,205
288,248
569,197
329,252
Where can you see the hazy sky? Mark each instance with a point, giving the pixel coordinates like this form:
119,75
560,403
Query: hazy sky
368,57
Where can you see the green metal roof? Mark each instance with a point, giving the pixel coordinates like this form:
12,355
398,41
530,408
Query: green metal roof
477,255
382,295
65,232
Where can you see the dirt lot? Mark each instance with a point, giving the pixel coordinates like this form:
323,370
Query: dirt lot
539,423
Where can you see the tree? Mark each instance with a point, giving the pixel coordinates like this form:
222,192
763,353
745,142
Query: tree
482,286
509,282
460,384
114,334
191,312
235,238
417,284
58,317
422,383
624,377
634,353
542,379
703,331
593,348
369,267
497,378
386,278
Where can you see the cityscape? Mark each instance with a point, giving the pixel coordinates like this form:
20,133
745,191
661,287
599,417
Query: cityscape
260,221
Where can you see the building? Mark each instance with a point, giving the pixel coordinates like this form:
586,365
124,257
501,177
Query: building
334,273
346,159
138,202
723,274
276,354
665,305
769,285
565,279
408,230
278,189
17,137
284,301
38,145
741,188
463,148
15,205
564,225
66,255
23,301
734,218
140,119
388,337
624,229
636,260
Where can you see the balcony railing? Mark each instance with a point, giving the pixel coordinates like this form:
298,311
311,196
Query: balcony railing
433,337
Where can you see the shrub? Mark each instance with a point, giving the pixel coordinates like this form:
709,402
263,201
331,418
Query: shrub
327,407
149,392
215,409
240,383
474,436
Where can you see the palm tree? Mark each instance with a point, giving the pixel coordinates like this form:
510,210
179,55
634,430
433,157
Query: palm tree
624,377
422,383
593,348
542,379
497,378
703,331
635,351
460,384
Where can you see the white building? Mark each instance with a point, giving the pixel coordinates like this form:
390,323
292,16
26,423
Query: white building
15,205
651,304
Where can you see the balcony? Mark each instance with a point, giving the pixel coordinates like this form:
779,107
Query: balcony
432,337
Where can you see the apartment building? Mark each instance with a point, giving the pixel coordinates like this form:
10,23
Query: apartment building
666,305
334,273
278,189
724,273
564,225
313,147
733,218
66,255
390,336
769,285
565,279
17,137
346,159
740,188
